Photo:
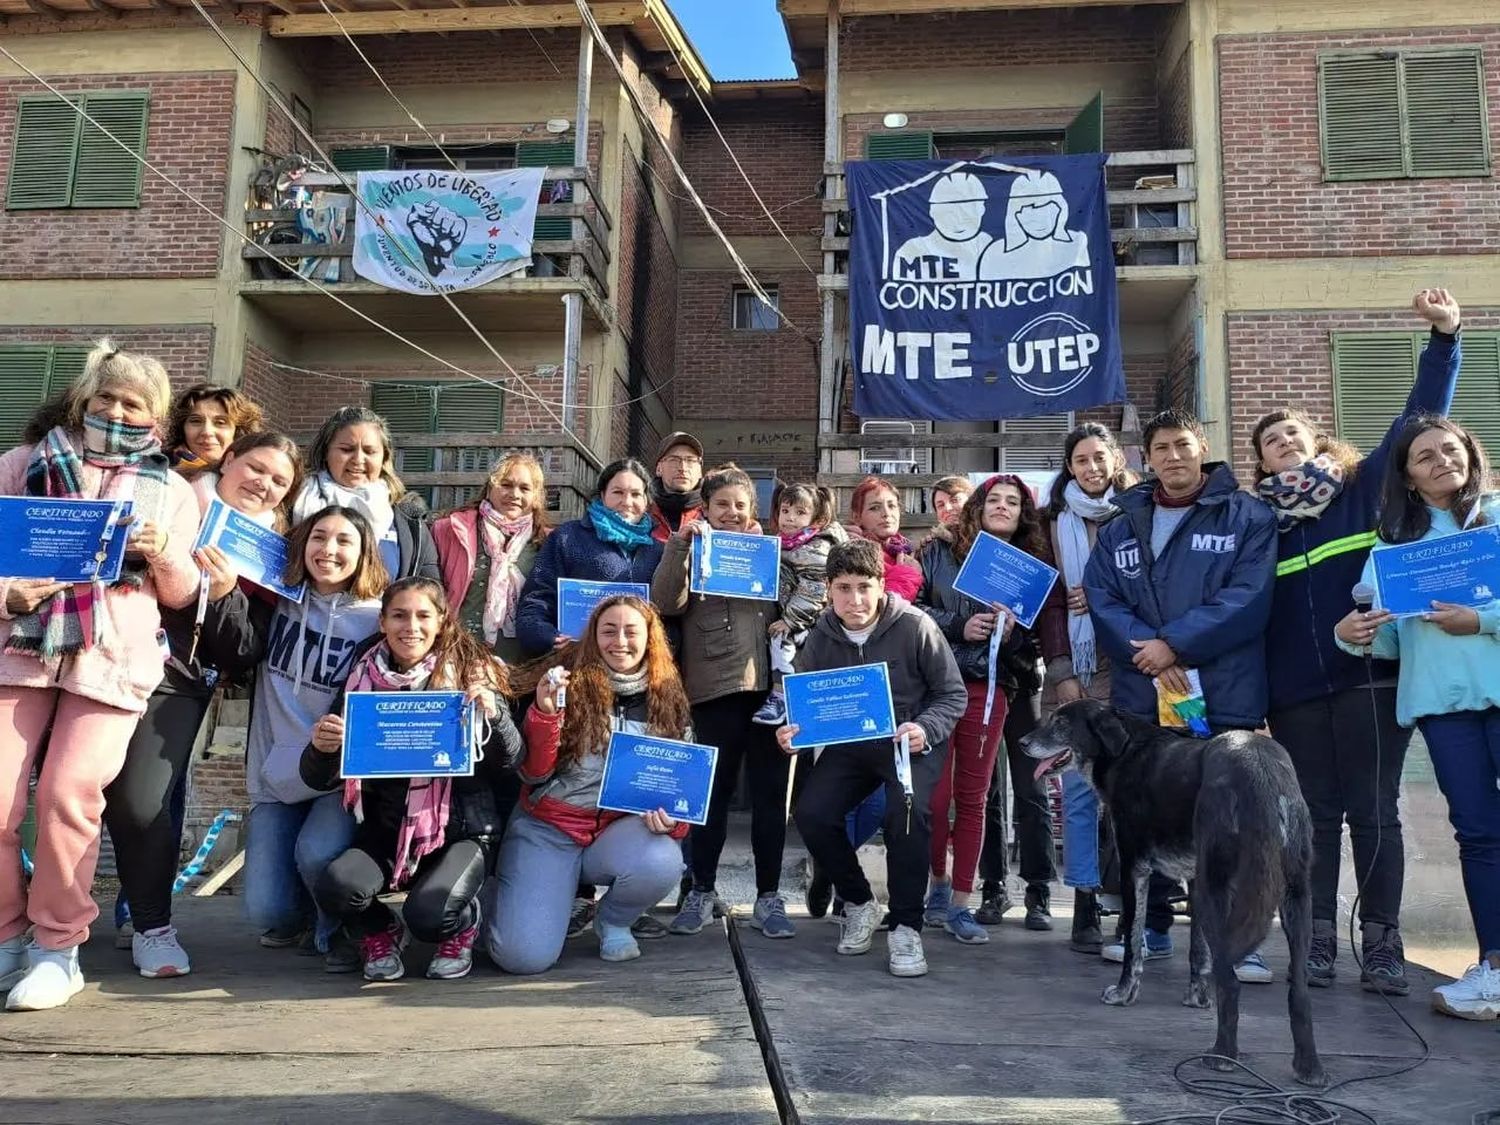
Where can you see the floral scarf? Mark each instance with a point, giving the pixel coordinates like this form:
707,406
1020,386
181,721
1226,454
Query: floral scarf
1302,492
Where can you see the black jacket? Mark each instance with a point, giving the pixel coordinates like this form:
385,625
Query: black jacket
230,643
414,540
478,806
952,610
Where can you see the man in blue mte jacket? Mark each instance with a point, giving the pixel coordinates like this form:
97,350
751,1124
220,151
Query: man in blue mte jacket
1181,580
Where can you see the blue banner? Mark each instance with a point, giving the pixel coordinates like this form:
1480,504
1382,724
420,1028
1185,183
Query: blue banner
62,540
577,597
253,551
982,289
734,565
995,572
643,774
407,734
840,705
1462,568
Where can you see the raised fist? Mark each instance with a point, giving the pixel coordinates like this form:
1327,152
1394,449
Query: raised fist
438,232
1437,307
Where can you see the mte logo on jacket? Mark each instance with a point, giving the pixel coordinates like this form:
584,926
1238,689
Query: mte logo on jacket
1217,544
1128,558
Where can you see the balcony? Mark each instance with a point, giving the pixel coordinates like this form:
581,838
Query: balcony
1153,222
450,469
528,301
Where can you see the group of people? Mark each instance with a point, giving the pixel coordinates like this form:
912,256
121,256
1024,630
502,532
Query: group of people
1183,580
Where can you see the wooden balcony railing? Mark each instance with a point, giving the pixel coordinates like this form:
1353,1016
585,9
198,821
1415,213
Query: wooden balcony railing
586,255
1153,220
450,469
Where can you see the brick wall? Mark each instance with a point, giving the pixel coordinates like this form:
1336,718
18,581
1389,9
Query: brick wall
459,57
1284,358
1276,204
185,350
646,304
1130,124
188,138
781,147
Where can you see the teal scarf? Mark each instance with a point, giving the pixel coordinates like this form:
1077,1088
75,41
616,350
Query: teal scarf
612,528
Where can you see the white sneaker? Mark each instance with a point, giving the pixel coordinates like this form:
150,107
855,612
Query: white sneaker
52,979
860,923
907,958
12,961
158,953
124,937
1474,996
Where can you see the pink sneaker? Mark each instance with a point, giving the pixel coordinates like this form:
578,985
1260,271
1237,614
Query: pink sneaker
454,957
382,953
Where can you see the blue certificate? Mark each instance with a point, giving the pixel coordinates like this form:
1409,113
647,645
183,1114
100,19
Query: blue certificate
577,597
254,552
734,565
840,705
407,734
995,572
62,540
1462,568
643,774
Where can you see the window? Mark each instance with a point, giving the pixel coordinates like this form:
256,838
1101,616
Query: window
908,144
751,314
440,408
988,145
1373,374
1053,427
30,374
1396,114
61,160
547,154
470,158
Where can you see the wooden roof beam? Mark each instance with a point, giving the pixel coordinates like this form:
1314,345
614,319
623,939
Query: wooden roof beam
818,9
423,20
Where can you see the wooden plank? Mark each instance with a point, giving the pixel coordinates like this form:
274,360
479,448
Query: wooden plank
215,882
427,480
453,19
1153,195
1148,158
336,180
817,9
1155,234
486,440
301,250
953,441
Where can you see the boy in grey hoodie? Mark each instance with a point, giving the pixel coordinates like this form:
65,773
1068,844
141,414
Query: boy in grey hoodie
867,625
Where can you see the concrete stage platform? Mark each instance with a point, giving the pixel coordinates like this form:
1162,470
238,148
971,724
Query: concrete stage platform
1008,1032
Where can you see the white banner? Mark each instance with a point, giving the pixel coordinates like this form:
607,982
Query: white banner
437,229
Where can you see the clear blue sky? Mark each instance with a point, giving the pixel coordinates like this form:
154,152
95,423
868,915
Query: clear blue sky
737,38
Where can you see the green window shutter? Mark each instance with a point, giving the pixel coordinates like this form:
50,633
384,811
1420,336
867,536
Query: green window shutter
1445,114
42,157
67,365
1476,403
469,408
23,386
547,154
908,144
1372,376
406,410
104,174
1085,133
375,158
1359,113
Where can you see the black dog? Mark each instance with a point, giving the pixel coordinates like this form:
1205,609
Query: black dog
1226,813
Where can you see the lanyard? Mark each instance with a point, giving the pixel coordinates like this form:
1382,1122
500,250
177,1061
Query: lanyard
989,694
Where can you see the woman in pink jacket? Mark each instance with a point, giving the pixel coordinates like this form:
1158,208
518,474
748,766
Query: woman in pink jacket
486,550
82,660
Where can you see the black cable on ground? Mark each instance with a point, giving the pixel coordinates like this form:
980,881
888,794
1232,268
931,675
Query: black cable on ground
781,1089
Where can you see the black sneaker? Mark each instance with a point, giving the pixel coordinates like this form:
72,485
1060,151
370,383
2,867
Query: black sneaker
1038,907
649,927
994,902
343,954
819,894
1324,951
581,917
282,937
1086,937
1384,960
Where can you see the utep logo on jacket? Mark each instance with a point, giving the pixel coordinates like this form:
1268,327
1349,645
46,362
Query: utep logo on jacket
325,666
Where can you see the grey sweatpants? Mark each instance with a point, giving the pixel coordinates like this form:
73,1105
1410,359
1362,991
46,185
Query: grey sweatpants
539,869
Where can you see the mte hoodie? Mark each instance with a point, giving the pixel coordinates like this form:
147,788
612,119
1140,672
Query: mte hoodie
310,648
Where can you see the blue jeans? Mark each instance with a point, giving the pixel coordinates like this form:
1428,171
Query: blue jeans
865,818
1080,833
289,846
1465,751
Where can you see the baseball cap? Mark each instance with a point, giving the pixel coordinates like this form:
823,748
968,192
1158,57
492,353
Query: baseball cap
679,437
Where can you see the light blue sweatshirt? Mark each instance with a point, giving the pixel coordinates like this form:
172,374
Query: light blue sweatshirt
1440,673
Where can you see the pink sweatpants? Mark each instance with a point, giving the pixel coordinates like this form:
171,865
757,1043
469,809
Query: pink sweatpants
85,749
964,784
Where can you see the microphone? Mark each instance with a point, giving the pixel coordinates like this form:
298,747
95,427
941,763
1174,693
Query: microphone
1364,597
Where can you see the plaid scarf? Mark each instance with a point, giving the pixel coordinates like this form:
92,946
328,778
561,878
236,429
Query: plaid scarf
427,798
1302,492
136,470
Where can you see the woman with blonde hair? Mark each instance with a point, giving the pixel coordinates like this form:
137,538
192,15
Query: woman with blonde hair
80,661
486,551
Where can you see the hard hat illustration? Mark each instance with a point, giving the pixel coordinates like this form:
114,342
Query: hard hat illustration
1034,184
959,187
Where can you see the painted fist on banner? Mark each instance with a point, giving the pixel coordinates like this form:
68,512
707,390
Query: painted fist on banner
438,231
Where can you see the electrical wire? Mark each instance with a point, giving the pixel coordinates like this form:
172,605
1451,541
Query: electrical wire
693,86
523,392
661,183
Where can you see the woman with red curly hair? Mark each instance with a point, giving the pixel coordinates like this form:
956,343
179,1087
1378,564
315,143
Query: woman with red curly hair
875,514
623,678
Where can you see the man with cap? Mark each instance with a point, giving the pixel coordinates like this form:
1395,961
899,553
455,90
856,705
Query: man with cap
675,498
952,250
